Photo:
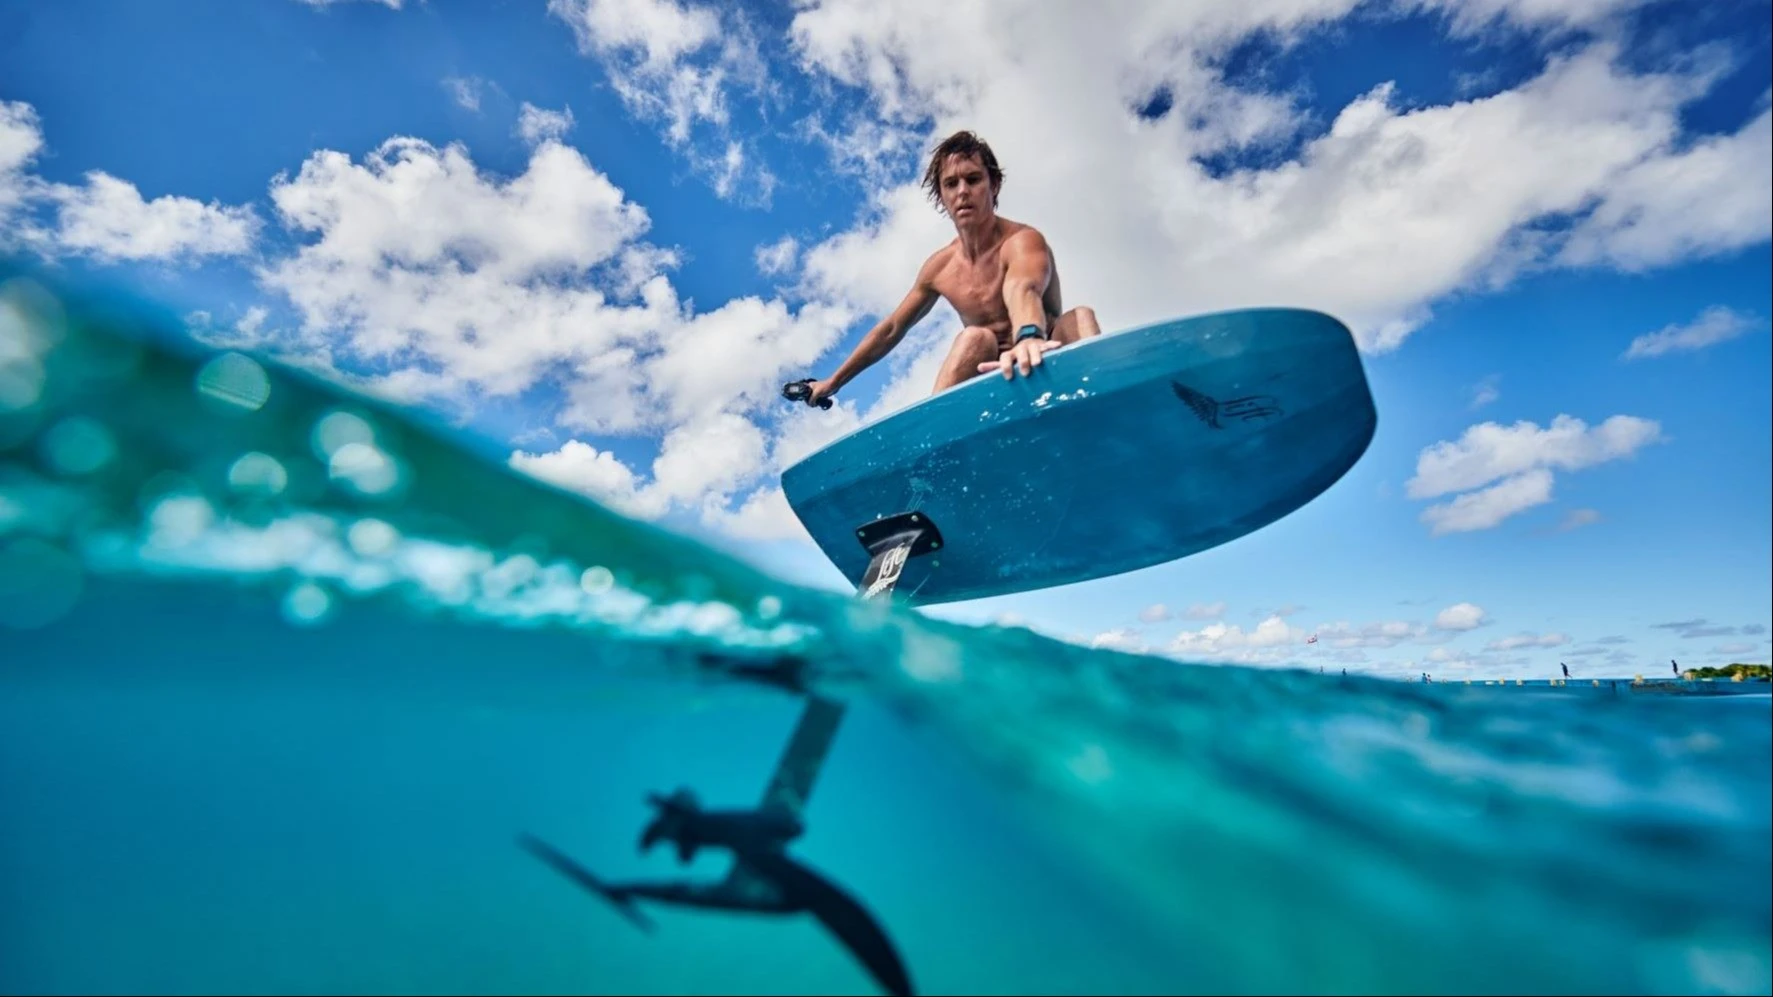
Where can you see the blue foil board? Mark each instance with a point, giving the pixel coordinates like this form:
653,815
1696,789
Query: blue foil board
1129,449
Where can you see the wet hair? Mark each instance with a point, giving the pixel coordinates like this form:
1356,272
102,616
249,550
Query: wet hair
962,143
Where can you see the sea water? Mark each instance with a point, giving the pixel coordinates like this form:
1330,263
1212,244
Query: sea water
284,673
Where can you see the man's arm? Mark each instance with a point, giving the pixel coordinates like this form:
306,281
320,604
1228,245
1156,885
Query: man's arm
1028,267
884,336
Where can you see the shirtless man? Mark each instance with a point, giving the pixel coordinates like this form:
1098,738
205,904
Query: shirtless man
997,274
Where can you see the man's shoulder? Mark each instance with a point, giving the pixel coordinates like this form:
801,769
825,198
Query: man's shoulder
1022,241
1023,235
933,263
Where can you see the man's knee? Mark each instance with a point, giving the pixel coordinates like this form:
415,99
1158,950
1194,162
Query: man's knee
976,340
1078,323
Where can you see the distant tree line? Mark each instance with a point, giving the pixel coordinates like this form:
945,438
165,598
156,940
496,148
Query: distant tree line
1730,672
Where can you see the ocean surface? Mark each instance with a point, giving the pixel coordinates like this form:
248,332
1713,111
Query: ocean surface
284,674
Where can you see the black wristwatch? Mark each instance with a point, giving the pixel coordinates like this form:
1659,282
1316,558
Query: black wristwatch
1030,331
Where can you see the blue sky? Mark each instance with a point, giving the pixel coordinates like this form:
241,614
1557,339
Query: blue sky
599,235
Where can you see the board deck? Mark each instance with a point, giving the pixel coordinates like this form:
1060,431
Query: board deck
1129,449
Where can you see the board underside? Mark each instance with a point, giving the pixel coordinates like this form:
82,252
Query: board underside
1126,450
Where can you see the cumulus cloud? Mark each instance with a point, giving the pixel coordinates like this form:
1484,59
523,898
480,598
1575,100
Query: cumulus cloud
1382,647
1271,640
1686,204
699,463
431,280
473,284
1505,470
421,278
109,219
104,217
1460,616
1714,325
1391,208
460,285
1482,509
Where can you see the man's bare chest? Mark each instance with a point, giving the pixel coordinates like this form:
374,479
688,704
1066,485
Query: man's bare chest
974,288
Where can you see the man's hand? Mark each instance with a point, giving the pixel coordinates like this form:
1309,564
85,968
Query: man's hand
821,390
1025,355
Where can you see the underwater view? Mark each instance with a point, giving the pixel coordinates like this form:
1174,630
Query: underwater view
287,678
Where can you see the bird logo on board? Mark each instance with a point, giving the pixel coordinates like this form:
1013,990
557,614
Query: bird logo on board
1211,410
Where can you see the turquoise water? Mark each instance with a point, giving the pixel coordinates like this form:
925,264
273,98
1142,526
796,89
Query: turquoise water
283,676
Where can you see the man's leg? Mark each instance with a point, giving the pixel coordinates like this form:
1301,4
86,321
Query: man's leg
975,345
1078,323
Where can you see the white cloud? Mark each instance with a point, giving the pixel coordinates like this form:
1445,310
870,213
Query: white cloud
459,284
763,515
742,350
1486,391
1519,459
777,258
1460,616
1272,640
1714,325
1447,657
673,63
708,458
21,140
423,263
700,467
108,218
1393,208
465,91
453,283
579,467
1210,611
536,125
1124,639
104,217
1520,640
1471,16
1489,451
1156,613
391,4
1487,507
1714,197
1389,633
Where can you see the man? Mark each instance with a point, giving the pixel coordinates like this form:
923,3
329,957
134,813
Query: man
997,274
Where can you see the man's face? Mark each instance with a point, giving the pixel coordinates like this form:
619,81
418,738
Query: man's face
966,189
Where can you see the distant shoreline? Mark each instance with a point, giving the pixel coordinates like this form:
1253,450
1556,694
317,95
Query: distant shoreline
1667,686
